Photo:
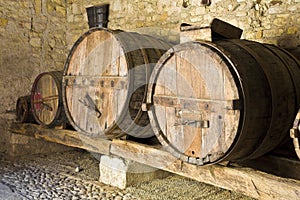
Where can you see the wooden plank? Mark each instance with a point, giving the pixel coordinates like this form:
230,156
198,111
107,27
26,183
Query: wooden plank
65,137
244,180
223,30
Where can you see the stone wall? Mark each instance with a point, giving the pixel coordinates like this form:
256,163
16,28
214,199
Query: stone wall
36,35
268,21
33,40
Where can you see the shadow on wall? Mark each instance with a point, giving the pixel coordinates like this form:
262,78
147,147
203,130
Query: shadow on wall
290,43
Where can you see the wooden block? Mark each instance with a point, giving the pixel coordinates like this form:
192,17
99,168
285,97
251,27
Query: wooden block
223,30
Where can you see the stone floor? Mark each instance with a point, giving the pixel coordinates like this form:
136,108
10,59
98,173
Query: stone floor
74,175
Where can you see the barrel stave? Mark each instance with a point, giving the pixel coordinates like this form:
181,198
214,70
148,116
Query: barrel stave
46,99
228,100
119,63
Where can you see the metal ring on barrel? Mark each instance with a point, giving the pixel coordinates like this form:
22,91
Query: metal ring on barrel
229,100
46,99
105,79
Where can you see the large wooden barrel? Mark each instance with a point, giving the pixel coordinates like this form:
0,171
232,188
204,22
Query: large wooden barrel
46,99
104,82
23,110
229,100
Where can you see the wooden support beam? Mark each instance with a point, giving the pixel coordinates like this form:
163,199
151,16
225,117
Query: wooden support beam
245,180
65,137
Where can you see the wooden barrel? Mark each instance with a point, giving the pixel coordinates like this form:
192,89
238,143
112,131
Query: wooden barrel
295,52
23,110
104,82
46,99
98,15
229,100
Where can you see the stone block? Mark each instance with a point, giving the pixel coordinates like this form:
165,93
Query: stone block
272,33
61,11
292,30
3,21
276,9
279,21
200,11
258,34
35,42
19,139
121,173
38,7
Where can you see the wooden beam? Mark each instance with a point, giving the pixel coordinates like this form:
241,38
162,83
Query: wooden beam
244,180
62,136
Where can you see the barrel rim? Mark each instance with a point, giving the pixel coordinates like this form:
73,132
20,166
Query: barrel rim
58,118
66,67
127,48
151,88
129,77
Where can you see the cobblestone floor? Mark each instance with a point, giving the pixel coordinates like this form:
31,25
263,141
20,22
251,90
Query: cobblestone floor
74,174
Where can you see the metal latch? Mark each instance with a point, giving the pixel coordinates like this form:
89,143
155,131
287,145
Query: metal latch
194,123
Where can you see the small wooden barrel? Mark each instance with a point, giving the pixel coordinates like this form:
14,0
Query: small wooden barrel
23,110
104,82
229,100
98,15
46,99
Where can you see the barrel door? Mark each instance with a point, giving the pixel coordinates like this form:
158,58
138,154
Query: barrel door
46,99
229,100
105,81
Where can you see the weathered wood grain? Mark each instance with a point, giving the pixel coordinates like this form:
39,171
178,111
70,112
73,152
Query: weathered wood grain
46,99
228,100
245,180
65,137
241,179
105,80
191,90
